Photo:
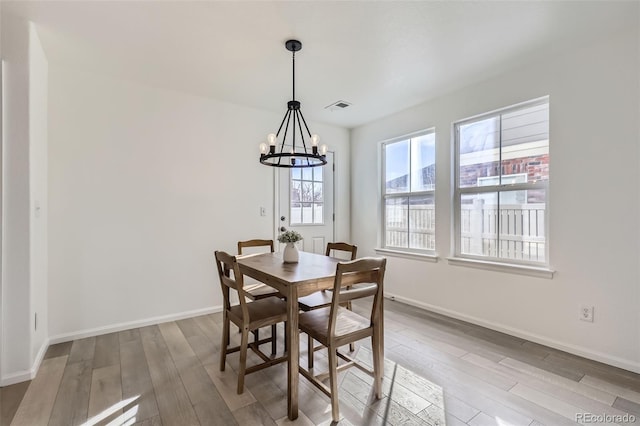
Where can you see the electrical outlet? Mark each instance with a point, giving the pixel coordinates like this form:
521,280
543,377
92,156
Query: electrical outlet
586,313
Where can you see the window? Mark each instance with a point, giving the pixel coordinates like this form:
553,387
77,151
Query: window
307,194
502,178
409,179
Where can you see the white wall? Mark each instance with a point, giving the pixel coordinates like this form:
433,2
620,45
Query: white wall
16,359
38,91
24,248
593,200
144,185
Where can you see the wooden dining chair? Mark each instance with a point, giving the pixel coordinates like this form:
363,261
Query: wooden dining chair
255,290
322,299
248,316
335,326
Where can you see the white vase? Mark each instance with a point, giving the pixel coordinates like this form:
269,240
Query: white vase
290,254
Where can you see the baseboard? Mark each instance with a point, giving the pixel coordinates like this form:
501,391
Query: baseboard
23,376
573,349
81,334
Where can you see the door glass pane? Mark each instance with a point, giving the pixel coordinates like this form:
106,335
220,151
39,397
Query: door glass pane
479,147
296,207
397,167
522,225
307,212
478,224
396,225
423,163
307,173
422,222
318,214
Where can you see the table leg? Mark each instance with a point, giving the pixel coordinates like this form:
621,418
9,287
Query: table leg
293,341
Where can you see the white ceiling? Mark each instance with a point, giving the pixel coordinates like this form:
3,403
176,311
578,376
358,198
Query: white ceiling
381,56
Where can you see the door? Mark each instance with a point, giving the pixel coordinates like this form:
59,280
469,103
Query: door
305,203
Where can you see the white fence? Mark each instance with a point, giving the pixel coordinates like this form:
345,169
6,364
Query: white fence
516,231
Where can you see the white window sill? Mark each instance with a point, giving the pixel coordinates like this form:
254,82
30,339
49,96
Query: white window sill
532,271
407,255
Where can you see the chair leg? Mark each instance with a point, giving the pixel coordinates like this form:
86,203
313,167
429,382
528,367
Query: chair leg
243,360
376,350
225,342
310,351
333,383
273,339
352,346
286,345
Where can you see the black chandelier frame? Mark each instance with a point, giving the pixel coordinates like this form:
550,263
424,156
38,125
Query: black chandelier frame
293,117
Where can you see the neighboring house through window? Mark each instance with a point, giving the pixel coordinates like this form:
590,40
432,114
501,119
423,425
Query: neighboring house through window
408,189
502,179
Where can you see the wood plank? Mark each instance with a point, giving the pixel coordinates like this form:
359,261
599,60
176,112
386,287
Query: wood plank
253,414
433,415
59,349
40,396
207,402
106,391
82,350
627,406
154,421
10,399
578,387
135,376
72,402
558,392
226,382
549,402
471,390
173,401
107,351
612,388
129,336
617,376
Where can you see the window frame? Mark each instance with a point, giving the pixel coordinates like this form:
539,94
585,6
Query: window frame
458,192
408,194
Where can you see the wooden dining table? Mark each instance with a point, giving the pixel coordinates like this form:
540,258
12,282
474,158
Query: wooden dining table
313,272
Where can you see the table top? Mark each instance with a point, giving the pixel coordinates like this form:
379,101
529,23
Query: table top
310,267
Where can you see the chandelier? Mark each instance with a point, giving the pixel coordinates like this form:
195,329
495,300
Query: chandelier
296,154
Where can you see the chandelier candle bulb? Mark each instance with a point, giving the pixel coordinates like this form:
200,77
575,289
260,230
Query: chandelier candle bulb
323,150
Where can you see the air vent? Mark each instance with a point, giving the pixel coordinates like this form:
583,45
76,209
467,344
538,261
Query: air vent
338,105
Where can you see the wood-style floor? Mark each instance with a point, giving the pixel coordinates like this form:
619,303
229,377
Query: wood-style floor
438,371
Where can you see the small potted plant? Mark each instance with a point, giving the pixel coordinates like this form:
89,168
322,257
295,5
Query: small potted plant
290,254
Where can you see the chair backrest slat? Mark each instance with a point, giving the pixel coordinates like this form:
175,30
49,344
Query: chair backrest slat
349,248
255,243
357,293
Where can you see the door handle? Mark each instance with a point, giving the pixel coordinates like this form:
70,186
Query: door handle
282,218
